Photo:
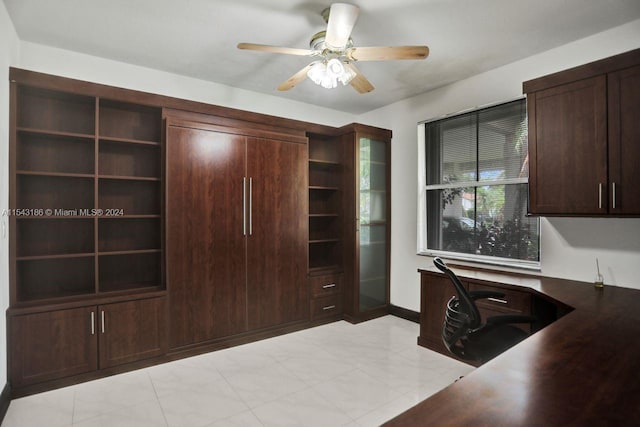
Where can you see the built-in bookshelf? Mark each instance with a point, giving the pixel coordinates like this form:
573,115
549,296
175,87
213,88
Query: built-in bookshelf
325,210
87,203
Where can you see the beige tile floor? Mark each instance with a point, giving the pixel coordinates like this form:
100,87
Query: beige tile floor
333,375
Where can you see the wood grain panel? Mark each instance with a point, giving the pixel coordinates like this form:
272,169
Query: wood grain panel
568,149
205,243
51,345
277,245
624,141
132,330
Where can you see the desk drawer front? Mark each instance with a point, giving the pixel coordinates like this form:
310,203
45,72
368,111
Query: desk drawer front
512,302
325,285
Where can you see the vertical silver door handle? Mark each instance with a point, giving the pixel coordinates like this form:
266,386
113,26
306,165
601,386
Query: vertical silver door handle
102,315
600,196
614,194
250,206
244,205
93,323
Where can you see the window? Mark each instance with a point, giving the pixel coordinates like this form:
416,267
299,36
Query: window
473,180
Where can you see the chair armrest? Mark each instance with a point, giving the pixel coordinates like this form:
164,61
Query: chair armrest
504,319
475,295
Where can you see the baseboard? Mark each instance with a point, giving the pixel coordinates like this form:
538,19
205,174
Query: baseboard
5,400
404,313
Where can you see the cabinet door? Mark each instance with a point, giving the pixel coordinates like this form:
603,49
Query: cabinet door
568,148
624,138
435,292
206,271
372,227
56,344
278,229
132,330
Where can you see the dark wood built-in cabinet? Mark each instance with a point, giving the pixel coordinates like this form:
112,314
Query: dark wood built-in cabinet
326,224
61,343
367,204
86,215
85,200
236,230
583,135
145,228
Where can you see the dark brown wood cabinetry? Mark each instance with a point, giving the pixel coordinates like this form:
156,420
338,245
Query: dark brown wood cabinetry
624,149
145,228
582,133
237,226
50,345
206,242
131,331
367,229
326,217
61,343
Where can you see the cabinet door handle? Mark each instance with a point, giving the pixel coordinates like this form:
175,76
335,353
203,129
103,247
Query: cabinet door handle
329,307
501,301
600,196
614,194
250,206
102,316
330,285
93,323
244,205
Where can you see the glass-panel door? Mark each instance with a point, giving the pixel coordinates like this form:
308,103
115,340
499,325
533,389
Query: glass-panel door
373,234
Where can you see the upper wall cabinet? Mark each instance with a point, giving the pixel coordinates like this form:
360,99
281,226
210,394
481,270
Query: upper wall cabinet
583,139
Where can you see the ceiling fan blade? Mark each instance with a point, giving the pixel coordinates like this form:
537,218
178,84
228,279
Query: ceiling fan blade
296,78
276,49
360,82
385,53
342,18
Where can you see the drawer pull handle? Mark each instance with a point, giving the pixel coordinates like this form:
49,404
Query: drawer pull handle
330,285
329,307
501,301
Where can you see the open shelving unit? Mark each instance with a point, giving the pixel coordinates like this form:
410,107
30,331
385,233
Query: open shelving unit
325,211
75,155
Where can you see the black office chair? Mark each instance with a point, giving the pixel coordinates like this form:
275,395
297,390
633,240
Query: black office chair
463,332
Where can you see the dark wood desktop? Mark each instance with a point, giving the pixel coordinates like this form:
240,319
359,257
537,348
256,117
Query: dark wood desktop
583,369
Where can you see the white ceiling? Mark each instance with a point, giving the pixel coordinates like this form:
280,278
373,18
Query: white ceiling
198,38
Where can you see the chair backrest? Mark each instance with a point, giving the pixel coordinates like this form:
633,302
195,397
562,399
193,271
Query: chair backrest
466,304
456,327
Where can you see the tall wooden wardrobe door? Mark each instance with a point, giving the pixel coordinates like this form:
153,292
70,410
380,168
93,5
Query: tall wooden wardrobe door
278,228
206,271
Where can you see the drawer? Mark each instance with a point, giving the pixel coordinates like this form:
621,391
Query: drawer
326,306
512,302
329,284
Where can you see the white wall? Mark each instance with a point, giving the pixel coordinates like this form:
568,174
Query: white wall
569,245
8,56
65,63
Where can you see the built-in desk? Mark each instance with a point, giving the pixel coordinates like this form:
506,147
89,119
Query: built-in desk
581,370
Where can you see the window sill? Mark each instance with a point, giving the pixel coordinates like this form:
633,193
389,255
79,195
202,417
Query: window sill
485,260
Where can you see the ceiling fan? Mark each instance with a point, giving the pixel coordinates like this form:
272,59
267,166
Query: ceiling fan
335,53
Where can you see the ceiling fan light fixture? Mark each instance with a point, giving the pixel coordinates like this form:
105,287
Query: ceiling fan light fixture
335,68
328,73
347,75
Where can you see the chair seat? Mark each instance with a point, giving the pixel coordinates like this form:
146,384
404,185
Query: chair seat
485,345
